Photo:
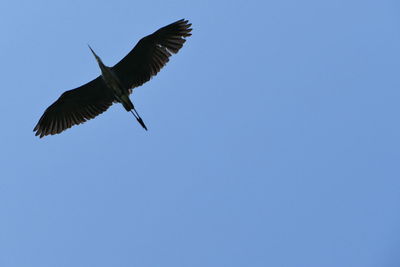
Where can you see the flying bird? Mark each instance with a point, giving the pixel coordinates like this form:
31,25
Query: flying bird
115,83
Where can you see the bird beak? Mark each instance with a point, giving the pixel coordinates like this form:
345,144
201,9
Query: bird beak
94,54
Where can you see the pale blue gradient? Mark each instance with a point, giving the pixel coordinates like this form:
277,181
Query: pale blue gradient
274,137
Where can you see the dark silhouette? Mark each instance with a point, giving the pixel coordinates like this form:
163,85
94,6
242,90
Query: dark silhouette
115,84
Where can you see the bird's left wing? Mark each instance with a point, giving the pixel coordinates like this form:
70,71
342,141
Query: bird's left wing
151,53
75,107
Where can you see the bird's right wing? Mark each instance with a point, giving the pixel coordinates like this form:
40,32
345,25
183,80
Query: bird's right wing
75,107
151,53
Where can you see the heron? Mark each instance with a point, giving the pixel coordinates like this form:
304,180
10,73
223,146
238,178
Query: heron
115,84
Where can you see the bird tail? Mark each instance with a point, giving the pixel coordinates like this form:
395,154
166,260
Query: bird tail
126,102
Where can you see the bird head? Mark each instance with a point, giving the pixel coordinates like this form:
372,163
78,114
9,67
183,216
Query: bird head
96,56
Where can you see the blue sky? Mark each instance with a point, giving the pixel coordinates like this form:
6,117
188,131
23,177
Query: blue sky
273,137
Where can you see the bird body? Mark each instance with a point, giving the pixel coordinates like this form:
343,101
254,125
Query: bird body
115,83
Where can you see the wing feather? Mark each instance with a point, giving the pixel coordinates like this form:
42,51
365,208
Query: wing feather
74,107
152,53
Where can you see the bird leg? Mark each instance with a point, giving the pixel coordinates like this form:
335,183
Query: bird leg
138,118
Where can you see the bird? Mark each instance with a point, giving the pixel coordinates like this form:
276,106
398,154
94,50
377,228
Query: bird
115,84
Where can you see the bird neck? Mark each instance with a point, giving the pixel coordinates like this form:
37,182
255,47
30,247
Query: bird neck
103,67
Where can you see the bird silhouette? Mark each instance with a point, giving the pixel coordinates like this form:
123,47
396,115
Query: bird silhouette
115,84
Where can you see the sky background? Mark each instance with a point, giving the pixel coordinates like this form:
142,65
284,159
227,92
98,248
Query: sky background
274,137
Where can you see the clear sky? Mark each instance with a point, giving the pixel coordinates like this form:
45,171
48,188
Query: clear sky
274,137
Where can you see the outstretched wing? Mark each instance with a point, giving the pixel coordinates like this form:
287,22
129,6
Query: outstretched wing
75,107
151,53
